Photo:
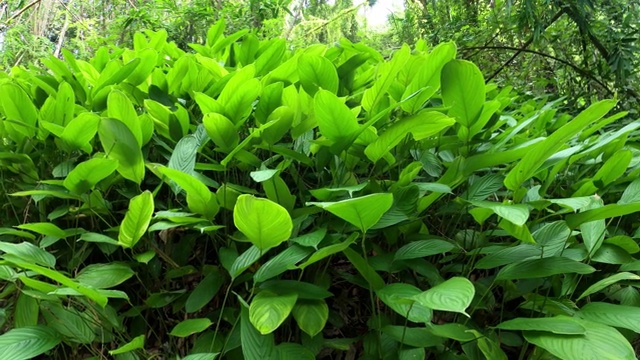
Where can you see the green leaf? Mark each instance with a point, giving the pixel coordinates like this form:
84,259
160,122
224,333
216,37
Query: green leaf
265,223
190,326
423,248
255,346
593,232
311,316
91,293
608,281
29,253
398,297
453,295
631,194
387,74
26,311
540,268
557,325
328,251
242,262
417,337
205,291
543,150
222,131
280,263
136,220
87,174
515,213
317,72
605,212
27,342
73,325
463,90
421,126
120,144
21,115
135,344
335,120
621,316
80,131
363,212
269,310
368,273
304,290
600,342
104,276
199,198
120,107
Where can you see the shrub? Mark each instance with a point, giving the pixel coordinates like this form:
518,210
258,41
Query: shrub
249,201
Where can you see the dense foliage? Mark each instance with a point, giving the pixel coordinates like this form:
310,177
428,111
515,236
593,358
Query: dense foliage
253,201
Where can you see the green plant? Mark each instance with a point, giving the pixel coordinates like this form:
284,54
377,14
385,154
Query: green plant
243,200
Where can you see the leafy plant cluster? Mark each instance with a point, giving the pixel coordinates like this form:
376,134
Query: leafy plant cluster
252,201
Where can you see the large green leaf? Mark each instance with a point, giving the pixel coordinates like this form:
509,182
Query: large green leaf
540,268
362,212
336,122
80,131
542,151
317,72
515,213
557,325
27,342
120,144
622,316
199,198
454,295
269,310
599,342
21,115
463,90
221,130
104,276
136,220
120,107
423,248
87,174
608,281
265,223
29,252
255,346
311,315
421,126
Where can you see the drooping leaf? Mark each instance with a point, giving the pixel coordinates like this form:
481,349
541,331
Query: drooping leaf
398,297
608,281
88,174
311,315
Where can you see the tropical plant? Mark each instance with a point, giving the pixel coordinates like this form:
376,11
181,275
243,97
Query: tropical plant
252,201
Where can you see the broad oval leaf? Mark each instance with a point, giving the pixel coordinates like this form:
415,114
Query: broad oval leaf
269,310
104,276
336,122
120,144
199,198
136,220
317,72
463,90
453,295
363,212
265,223
622,316
87,174
311,316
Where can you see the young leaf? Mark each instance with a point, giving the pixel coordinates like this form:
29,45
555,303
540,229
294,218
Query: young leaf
265,223
454,295
87,174
311,315
543,150
190,326
135,344
363,212
463,90
336,122
120,144
269,310
136,220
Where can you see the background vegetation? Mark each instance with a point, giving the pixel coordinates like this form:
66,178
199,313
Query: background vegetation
275,179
